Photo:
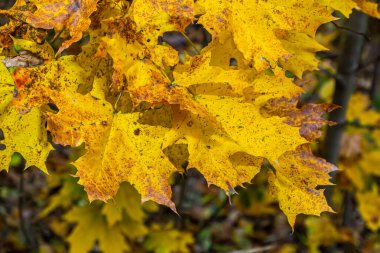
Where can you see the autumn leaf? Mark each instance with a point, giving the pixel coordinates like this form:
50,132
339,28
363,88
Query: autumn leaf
154,18
294,182
322,232
369,207
221,161
25,134
71,15
369,7
44,51
168,241
131,102
257,40
309,118
92,227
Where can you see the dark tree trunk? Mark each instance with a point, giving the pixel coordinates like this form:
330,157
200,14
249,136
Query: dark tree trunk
349,60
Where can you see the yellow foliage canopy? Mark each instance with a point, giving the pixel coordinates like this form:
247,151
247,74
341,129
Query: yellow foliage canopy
128,97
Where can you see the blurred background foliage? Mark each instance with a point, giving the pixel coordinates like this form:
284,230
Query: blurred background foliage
51,213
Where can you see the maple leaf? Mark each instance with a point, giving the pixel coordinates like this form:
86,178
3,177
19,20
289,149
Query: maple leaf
207,73
229,116
66,14
105,165
77,121
257,40
297,175
92,227
358,110
168,240
146,83
44,51
368,7
154,18
214,154
21,133
321,231
369,207
308,118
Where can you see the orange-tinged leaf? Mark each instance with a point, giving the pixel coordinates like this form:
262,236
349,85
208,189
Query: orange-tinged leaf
146,83
368,7
63,14
36,86
309,118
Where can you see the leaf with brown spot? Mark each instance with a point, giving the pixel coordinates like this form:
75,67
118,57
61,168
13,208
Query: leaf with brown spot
146,83
25,134
61,14
297,174
309,117
220,160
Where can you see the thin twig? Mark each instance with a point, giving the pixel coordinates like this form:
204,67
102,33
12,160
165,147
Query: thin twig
351,30
191,43
56,37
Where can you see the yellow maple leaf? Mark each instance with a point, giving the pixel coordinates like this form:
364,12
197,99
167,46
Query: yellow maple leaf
153,19
25,134
297,175
168,240
369,207
359,109
214,154
256,135
91,227
368,7
105,165
45,51
254,24
345,7
218,100
321,231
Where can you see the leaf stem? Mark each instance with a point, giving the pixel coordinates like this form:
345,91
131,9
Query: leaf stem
191,43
